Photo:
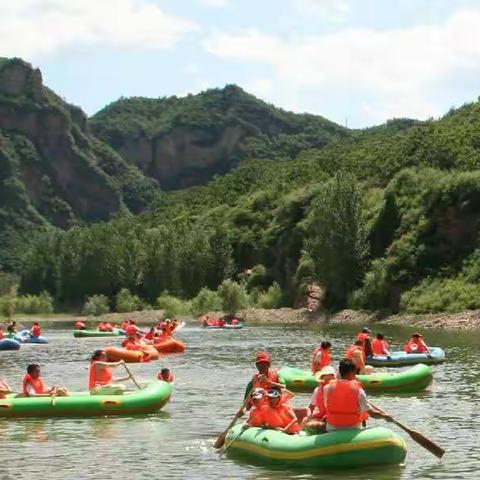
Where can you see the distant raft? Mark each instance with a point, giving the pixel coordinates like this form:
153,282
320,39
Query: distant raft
333,450
145,354
25,336
401,359
238,326
169,345
116,332
9,344
147,400
412,380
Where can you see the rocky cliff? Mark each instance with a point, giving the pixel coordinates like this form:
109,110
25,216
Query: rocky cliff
52,170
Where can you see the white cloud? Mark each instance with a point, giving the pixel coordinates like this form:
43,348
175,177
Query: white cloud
394,67
215,3
330,10
33,28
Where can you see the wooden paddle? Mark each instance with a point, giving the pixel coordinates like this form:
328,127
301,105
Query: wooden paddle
132,377
230,443
417,437
221,438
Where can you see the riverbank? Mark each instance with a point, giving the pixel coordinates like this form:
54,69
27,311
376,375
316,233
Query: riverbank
468,320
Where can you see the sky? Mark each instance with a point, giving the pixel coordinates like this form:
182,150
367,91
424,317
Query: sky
356,62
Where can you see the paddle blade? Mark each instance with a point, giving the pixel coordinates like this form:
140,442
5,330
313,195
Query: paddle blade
220,441
426,443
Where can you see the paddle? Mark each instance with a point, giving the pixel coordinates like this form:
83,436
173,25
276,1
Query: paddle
221,438
245,427
417,437
54,394
132,377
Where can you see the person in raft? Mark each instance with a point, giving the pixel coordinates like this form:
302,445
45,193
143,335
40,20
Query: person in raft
278,414
346,403
165,375
258,400
12,327
4,388
33,386
416,345
80,326
35,331
321,357
266,377
380,345
364,334
100,378
131,341
356,354
2,335
316,421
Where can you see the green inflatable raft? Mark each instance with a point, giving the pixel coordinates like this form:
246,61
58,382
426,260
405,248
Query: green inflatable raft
81,404
341,449
412,380
97,333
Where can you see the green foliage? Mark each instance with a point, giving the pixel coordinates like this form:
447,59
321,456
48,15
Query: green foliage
233,296
272,298
28,304
205,301
337,239
126,302
96,305
172,305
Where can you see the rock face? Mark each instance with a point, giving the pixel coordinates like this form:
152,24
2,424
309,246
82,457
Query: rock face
51,168
182,142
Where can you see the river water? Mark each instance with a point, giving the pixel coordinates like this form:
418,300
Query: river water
210,381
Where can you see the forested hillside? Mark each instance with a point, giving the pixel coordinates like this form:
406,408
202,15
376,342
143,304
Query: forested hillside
383,218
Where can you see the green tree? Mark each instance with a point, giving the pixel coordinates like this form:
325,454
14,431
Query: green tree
205,301
233,296
336,238
96,305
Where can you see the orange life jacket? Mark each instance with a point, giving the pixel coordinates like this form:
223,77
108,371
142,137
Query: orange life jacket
36,383
149,336
169,379
351,350
325,360
379,347
95,378
413,346
2,335
80,326
130,344
271,375
318,402
255,415
279,417
342,403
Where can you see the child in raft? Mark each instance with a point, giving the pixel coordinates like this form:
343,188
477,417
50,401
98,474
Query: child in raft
321,357
33,386
100,378
35,331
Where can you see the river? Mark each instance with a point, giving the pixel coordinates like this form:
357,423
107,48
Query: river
210,380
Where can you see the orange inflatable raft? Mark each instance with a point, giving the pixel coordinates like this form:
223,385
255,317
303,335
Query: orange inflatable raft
147,353
170,345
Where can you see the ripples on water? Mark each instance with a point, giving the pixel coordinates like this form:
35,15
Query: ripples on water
210,381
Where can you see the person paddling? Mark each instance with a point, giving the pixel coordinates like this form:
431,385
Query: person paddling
380,345
33,386
416,344
321,357
267,377
100,378
345,400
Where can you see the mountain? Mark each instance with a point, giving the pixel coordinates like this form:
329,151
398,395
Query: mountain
52,169
182,142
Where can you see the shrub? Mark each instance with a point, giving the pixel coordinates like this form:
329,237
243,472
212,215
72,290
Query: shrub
272,298
233,296
96,305
127,302
42,303
206,301
173,306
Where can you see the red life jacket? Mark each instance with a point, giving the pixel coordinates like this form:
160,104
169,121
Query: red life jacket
349,354
413,346
379,347
170,378
325,360
36,383
104,377
272,375
36,331
80,326
255,416
342,403
2,335
318,402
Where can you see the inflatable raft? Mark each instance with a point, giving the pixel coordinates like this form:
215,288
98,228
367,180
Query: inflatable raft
147,400
401,359
170,346
97,333
116,354
9,344
224,327
341,449
25,337
414,379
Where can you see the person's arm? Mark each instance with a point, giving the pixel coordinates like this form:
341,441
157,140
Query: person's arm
427,350
359,358
365,406
293,420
